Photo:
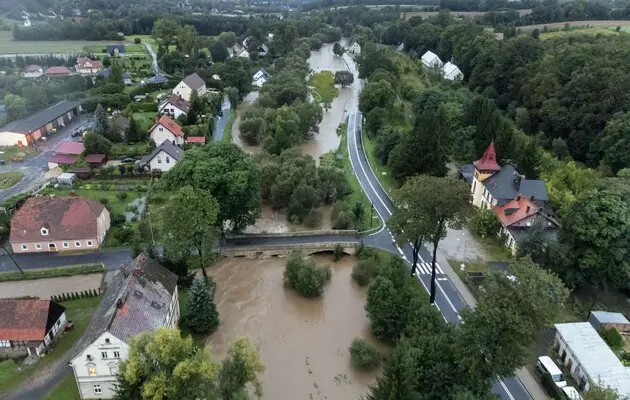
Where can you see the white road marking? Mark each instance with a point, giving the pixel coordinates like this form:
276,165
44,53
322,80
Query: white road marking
505,388
400,250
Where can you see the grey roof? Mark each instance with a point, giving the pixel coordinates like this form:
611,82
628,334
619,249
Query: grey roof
157,79
112,47
126,75
121,122
145,276
41,118
106,71
194,81
520,233
169,148
503,186
467,171
605,317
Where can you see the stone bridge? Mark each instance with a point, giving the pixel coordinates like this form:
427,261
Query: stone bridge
281,244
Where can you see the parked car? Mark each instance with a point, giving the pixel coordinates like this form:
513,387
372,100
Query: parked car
545,364
128,160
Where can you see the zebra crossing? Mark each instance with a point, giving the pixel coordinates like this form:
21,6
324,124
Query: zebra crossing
425,269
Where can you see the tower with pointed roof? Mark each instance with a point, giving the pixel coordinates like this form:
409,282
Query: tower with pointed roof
485,167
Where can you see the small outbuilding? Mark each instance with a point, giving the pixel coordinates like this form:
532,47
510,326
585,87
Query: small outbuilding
96,160
58,160
599,319
82,172
66,179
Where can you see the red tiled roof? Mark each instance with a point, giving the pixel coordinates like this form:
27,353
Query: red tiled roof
23,319
74,148
516,210
65,217
82,60
196,139
488,161
95,158
65,159
58,70
169,124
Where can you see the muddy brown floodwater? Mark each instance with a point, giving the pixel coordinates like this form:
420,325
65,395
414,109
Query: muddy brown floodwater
303,342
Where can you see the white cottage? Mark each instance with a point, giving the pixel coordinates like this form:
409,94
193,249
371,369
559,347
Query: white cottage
186,86
164,157
141,298
431,60
355,48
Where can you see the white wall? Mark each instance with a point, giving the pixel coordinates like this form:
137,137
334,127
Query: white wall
160,133
175,113
12,139
575,371
162,162
183,90
105,367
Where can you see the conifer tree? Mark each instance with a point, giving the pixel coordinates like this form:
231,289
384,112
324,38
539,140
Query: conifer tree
201,312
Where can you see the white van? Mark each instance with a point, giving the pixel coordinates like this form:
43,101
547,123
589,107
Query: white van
571,393
545,364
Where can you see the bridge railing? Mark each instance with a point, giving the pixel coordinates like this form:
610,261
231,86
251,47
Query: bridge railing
292,234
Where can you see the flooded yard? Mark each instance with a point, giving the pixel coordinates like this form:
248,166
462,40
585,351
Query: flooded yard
303,342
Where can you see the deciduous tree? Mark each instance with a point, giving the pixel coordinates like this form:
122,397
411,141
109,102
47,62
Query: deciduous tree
242,366
96,144
15,106
344,78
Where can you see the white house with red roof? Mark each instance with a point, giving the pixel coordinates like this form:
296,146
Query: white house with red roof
85,66
166,129
33,71
28,326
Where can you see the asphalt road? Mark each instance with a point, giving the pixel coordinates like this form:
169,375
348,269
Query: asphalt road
220,122
448,300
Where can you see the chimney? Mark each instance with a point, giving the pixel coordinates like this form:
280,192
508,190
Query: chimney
527,210
119,303
518,197
532,198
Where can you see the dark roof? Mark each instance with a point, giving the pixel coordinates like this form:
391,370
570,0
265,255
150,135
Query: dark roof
467,171
157,79
27,319
81,170
121,122
106,72
145,289
41,118
65,217
112,47
95,158
549,234
178,102
126,75
169,148
506,184
194,81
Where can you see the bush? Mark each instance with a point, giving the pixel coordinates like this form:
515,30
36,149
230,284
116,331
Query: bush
364,271
344,220
363,355
337,252
304,276
104,201
484,223
117,219
313,219
612,337
137,40
121,196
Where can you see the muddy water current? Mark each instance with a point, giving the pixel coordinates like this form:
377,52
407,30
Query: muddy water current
303,342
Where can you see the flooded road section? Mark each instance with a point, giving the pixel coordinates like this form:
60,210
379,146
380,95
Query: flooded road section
303,342
347,101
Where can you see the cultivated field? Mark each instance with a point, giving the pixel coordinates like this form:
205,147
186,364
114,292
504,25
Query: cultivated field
469,14
573,24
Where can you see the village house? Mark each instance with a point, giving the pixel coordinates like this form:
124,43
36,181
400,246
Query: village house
115,50
355,48
126,76
28,326
25,132
518,202
174,106
431,60
164,157
166,129
58,223
186,86
451,72
142,297
58,72
33,71
85,66
261,77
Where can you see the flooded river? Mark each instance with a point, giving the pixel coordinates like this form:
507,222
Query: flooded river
303,342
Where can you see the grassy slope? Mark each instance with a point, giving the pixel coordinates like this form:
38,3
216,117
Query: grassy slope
77,311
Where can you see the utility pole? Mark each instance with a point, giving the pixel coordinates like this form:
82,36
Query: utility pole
12,259
371,214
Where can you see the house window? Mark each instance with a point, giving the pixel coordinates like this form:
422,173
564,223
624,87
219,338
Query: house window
159,159
116,354
113,369
92,371
58,322
5,343
97,389
77,244
103,354
168,160
24,247
65,245
38,246
161,129
89,243
107,341
44,231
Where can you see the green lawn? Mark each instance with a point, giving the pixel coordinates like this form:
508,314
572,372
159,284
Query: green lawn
21,153
324,83
114,204
43,273
122,150
382,172
227,131
65,390
77,311
145,119
10,46
10,178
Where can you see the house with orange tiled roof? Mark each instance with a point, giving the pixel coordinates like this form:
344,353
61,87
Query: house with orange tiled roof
28,326
166,129
58,223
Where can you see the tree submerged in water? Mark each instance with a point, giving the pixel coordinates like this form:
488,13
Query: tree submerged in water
201,312
304,276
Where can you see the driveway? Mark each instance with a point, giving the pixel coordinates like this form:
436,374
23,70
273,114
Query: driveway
34,168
